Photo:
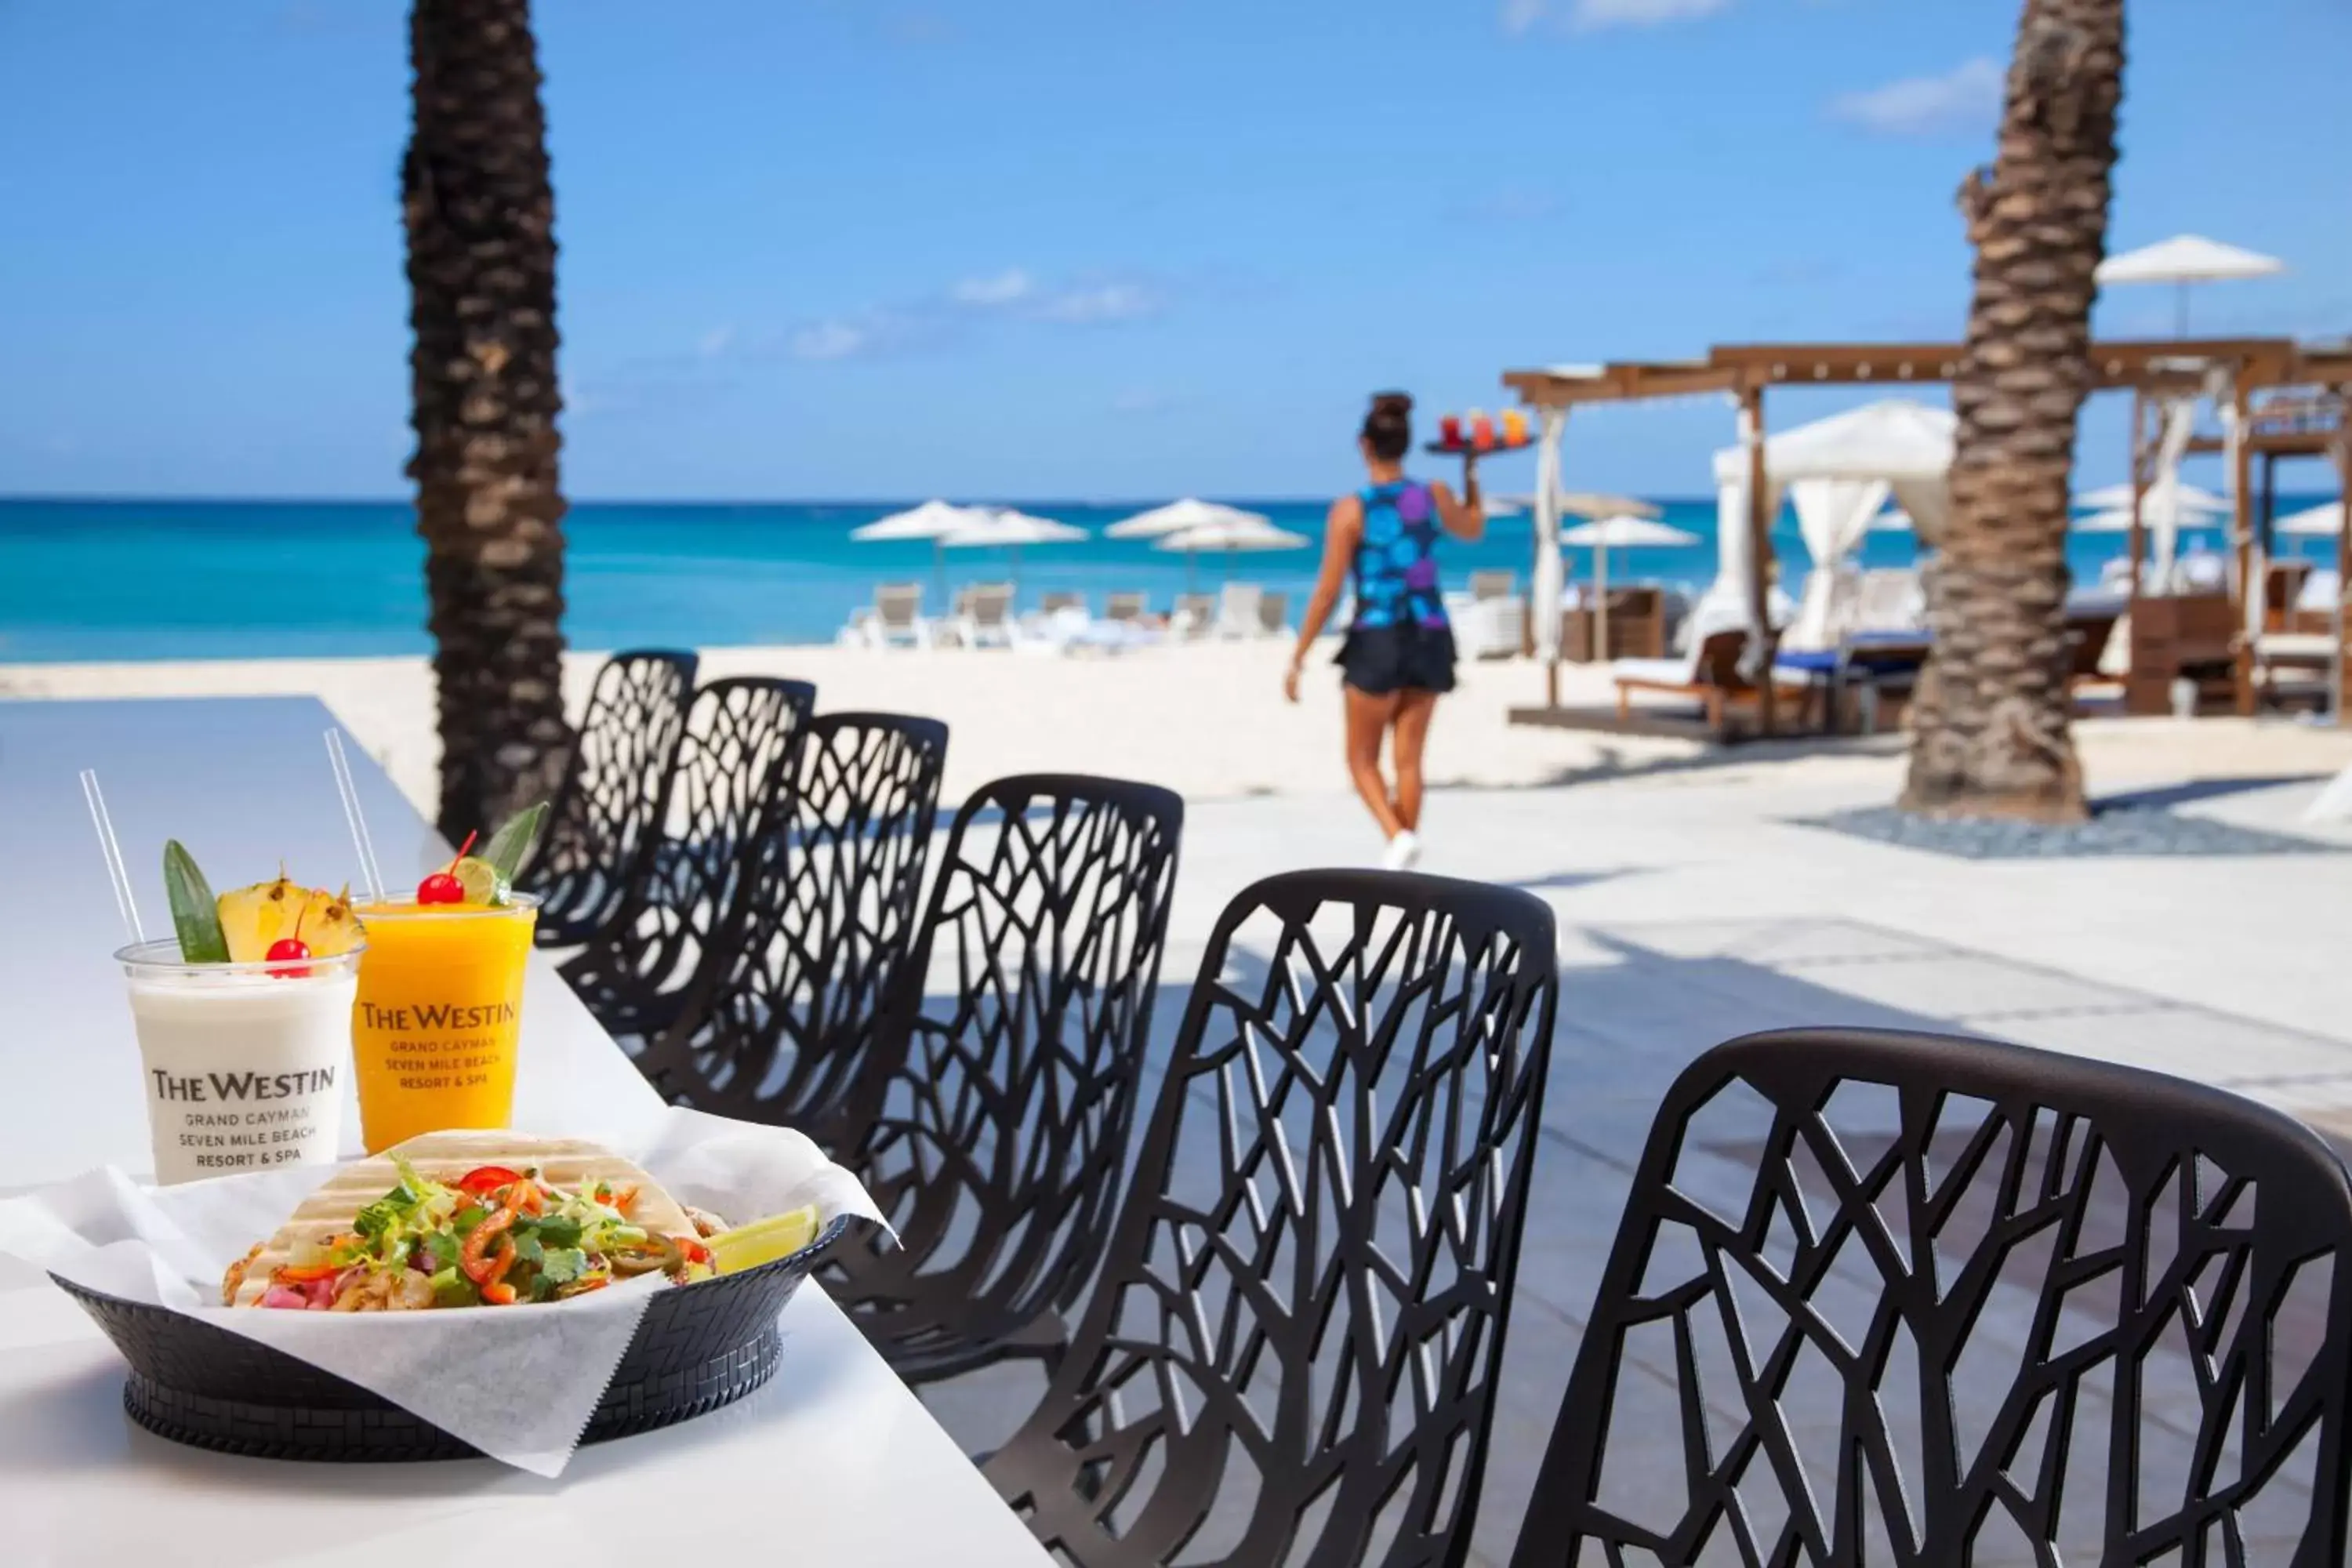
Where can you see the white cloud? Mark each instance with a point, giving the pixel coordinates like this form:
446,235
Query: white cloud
1098,304
1589,16
1007,288
715,342
830,340
1964,100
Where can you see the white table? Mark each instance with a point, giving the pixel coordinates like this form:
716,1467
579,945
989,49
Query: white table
835,1462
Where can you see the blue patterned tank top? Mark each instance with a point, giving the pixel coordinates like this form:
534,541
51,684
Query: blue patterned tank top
1396,560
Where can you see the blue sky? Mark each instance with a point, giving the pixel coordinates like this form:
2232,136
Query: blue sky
1072,248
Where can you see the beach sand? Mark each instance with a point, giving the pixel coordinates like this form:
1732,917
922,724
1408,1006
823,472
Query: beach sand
1206,720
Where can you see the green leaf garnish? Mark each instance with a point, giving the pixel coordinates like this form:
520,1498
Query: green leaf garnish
563,1265
556,1231
510,847
195,913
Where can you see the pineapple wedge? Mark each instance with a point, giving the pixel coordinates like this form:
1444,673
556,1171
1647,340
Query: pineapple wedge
253,917
328,926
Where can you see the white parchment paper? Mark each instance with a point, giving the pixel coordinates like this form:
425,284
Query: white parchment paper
520,1384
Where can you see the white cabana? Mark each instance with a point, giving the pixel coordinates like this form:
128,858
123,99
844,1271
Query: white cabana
1624,531
1839,472
1176,517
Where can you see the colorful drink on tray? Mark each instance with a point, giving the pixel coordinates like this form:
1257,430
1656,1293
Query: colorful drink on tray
437,1020
244,1023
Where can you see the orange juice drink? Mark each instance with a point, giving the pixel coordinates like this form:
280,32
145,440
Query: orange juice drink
439,1015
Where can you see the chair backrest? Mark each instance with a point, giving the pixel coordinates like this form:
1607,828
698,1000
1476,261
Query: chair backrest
1717,661
1049,603
1124,607
1273,611
2088,631
1197,609
1237,604
1291,1355
791,1020
605,812
992,1126
989,603
897,604
1898,1298
732,777
1494,585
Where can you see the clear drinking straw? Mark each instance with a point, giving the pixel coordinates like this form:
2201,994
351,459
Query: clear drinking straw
351,814
123,901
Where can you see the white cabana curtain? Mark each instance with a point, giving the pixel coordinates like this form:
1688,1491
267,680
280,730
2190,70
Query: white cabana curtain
2163,521
1544,590
1832,515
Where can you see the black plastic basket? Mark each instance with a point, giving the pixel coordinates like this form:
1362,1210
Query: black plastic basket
698,1347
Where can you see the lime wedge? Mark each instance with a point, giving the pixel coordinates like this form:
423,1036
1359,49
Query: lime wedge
481,879
763,1241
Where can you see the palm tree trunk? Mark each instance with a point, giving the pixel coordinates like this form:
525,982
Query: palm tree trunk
1990,734
481,274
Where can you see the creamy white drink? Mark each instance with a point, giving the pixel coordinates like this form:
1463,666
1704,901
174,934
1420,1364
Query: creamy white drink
244,1065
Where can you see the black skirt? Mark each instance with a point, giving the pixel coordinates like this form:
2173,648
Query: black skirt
1409,657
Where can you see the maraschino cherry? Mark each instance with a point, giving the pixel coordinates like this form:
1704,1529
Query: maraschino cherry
285,949
442,887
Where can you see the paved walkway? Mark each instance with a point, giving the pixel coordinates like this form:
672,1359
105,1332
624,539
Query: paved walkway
1693,911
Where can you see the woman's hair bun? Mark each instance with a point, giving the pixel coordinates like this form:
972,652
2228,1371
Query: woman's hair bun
1387,428
1394,405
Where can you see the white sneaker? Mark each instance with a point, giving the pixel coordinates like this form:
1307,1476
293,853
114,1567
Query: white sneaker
1404,852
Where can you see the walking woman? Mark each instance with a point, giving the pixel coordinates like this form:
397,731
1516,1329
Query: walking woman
1398,657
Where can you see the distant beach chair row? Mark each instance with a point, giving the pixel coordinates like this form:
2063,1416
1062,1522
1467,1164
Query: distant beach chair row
982,616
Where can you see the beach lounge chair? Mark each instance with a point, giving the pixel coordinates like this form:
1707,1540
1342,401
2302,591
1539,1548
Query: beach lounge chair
1273,614
1711,674
898,617
1051,601
987,617
1237,610
1124,606
1193,617
1494,585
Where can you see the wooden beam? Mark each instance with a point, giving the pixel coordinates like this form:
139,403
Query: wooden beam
2241,520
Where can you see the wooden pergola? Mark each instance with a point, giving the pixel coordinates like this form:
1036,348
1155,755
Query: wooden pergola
2150,370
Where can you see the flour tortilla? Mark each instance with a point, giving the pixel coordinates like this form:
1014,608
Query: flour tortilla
568,1163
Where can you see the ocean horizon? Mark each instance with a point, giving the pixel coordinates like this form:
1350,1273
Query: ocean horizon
136,579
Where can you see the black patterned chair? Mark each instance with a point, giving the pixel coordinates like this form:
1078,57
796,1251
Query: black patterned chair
791,1020
1291,1355
730,786
605,813
992,1127
1899,1299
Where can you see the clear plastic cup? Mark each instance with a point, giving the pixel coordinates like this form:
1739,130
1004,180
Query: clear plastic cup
243,1064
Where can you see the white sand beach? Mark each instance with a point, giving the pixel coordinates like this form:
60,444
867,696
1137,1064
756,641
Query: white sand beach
1207,720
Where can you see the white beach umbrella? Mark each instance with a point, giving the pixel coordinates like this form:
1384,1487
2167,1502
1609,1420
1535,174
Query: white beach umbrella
1579,503
1178,516
2189,498
1622,531
1008,531
1230,539
1894,519
2319,521
2184,262
931,520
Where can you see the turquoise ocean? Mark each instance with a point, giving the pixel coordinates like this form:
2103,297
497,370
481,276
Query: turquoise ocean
229,579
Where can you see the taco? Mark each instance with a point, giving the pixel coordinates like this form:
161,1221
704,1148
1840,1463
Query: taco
465,1219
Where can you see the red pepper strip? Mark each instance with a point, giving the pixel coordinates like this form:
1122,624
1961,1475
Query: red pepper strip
497,1294
486,1180
470,1254
530,1197
692,1250
304,1274
624,1198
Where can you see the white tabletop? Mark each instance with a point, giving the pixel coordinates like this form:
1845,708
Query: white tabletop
821,1462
